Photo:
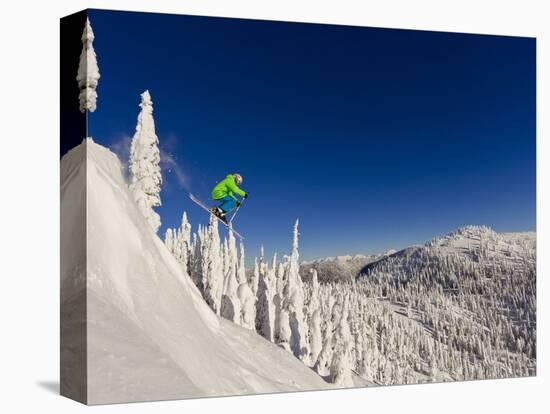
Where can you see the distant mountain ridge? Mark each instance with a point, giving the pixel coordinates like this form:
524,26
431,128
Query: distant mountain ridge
472,242
339,268
476,245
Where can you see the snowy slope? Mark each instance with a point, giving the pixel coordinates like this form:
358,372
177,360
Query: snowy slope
470,296
479,246
150,334
477,241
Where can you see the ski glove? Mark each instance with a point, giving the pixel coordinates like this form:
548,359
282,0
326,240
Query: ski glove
239,203
245,195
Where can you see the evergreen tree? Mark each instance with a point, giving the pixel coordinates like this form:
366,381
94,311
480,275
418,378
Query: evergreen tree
265,310
241,268
169,240
298,326
314,320
231,305
212,267
88,71
146,179
248,306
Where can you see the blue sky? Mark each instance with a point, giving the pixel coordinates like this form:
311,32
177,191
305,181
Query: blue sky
373,138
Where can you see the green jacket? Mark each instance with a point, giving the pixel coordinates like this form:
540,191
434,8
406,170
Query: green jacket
227,187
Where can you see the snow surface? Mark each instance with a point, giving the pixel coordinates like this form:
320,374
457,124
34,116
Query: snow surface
150,334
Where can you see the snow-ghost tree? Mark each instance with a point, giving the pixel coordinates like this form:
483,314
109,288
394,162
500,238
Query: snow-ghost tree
225,254
241,267
146,178
195,260
315,337
244,293
265,310
314,320
368,362
212,267
185,234
340,371
324,360
254,279
231,305
248,306
298,326
88,71
169,240
182,243
186,231
278,300
284,334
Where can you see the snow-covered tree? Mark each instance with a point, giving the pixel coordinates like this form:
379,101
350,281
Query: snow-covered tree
278,300
298,325
88,71
231,305
314,321
246,298
181,243
316,337
186,231
225,257
284,334
248,306
340,370
169,240
212,267
146,178
241,268
195,259
265,309
254,280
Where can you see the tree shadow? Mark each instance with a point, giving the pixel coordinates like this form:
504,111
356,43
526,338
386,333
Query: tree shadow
51,386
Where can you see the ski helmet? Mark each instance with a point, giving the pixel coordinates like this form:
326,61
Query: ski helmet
238,178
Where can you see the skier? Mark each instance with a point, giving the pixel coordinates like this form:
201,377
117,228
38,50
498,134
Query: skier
224,192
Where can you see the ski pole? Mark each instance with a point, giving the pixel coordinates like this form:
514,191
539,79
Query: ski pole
236,211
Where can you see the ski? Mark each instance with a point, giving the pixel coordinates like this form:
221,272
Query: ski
205,207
